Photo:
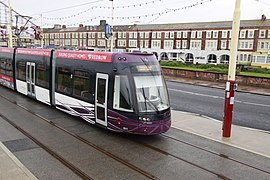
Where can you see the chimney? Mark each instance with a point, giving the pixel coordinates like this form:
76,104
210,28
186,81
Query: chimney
102,23
263,18
80,25
57,26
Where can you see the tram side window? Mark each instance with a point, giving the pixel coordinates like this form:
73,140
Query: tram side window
9,69
3,66
64,80
81,84
122,95
41,76
21,71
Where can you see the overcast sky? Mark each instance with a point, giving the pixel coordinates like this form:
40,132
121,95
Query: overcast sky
139,11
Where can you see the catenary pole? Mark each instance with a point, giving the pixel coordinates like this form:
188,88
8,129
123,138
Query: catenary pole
230,84
10,41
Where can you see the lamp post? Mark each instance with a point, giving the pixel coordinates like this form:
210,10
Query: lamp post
112,37
230,84
10,41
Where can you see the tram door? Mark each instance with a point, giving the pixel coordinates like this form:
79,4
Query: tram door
30,78
101,98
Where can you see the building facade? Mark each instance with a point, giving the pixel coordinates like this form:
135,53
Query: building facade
202,42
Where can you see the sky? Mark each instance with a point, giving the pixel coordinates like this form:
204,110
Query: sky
90,12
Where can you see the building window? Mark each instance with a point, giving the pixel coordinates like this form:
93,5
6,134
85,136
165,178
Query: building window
193,34
262,34
178,44
156,44
132,43
135,34
146,44
185,33
184,44
171,34
121,43
242,33
251,34
167,35
91,42
147,35
215,34
130,35
159,35
119,35
101,43
264,45
93,35
154,35
261,59
268,59
223,44
208,34
178,35
141,35
168,44
230,34
199,34
224,34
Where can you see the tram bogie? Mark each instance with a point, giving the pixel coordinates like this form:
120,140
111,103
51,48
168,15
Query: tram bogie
123,92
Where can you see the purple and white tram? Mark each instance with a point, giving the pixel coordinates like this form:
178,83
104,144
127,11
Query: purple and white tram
123,92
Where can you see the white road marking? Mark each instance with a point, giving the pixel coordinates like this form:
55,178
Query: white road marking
218,97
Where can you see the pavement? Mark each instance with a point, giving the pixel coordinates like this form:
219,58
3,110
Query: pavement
247,139
11,168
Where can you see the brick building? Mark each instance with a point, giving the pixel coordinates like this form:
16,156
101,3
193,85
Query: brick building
201,42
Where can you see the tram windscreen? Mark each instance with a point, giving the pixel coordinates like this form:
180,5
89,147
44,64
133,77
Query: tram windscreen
151,93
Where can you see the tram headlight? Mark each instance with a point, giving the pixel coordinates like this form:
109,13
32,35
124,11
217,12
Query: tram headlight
145,119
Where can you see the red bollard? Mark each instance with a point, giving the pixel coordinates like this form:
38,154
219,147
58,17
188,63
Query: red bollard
228,107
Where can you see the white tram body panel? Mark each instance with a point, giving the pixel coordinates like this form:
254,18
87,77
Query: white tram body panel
75,107
21,86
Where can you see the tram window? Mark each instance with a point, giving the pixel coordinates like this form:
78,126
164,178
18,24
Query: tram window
9,68
41,76
81,84
21,71
64,81
122,98
3,66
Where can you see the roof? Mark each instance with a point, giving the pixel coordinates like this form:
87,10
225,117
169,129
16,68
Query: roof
166,27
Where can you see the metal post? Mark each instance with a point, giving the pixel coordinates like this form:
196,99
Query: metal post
10,41
41,29
112,37
230,85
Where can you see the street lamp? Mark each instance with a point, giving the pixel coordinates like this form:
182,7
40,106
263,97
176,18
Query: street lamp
230,84
10,43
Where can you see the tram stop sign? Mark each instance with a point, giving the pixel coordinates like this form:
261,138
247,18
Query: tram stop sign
108,32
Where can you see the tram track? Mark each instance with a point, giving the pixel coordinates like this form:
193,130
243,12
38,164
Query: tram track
135,168
146,174
69,165
81,139
215,153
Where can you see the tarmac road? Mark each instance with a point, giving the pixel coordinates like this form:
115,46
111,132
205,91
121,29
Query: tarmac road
250,110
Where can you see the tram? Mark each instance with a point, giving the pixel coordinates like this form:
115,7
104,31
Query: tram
122,92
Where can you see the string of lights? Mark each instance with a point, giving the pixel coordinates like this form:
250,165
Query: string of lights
139,17
102,7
